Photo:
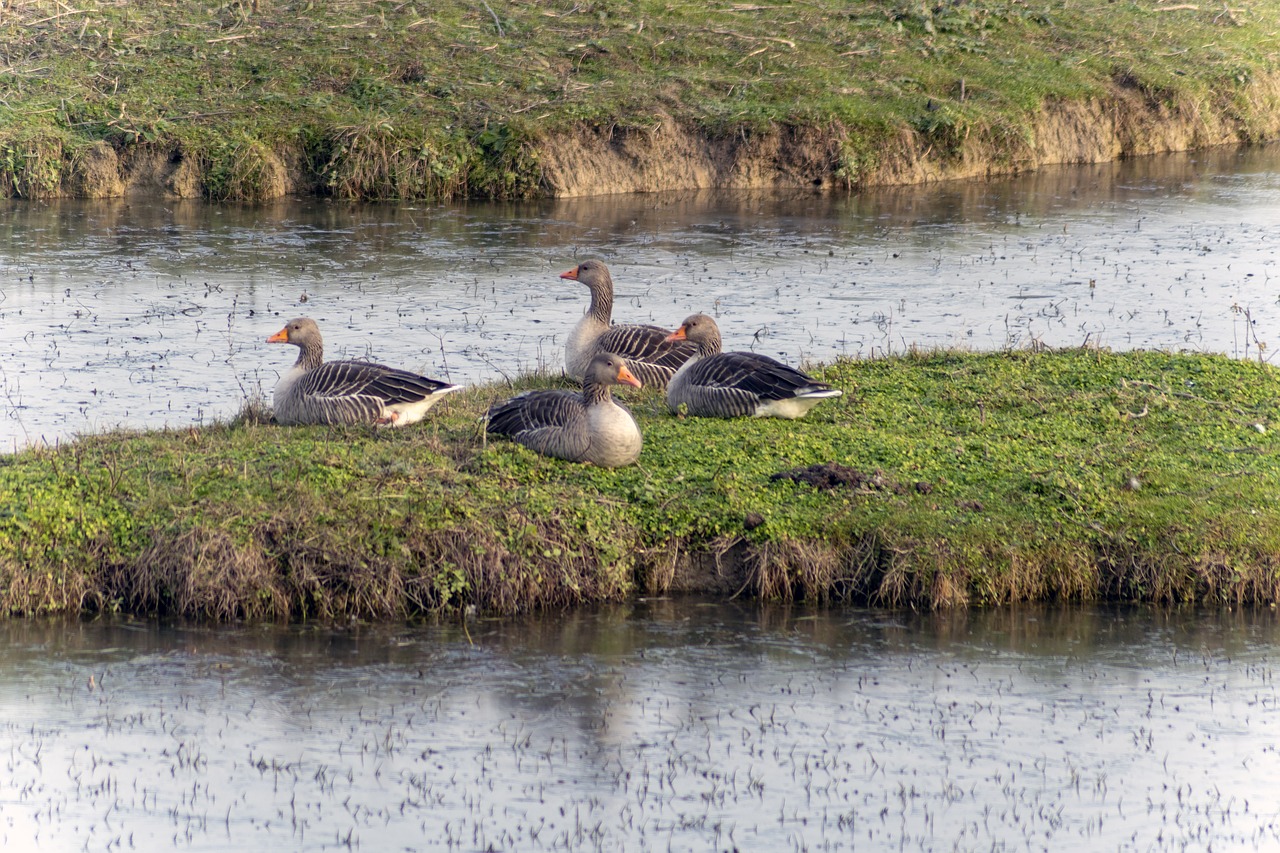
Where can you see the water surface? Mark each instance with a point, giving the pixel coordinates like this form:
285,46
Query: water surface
676,725
145,313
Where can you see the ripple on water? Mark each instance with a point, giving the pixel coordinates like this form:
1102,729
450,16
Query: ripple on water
670,724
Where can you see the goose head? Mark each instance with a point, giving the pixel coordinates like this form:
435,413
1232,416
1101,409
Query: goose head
301,332
610,369
699,330
594,274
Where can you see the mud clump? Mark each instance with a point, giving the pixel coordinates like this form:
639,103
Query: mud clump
833,475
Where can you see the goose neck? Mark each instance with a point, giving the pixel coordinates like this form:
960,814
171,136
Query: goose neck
594,392
709,345
310,356
601,301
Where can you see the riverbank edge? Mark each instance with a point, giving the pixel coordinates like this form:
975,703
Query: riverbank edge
939,481
665,154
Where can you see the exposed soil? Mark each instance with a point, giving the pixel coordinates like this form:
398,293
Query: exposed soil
669,156
833,475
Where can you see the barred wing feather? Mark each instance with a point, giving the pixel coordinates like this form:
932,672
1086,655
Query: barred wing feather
553,423
346,392
646,344
740,384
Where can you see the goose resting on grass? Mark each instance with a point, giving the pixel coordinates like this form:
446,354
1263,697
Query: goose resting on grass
347,392
652,358
581,427
715,384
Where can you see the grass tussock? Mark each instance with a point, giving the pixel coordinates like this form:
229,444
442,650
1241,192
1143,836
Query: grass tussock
940,479
366,99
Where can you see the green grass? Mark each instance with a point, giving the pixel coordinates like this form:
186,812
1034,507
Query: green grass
1077,475
403,99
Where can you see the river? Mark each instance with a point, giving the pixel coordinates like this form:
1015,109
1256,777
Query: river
663,725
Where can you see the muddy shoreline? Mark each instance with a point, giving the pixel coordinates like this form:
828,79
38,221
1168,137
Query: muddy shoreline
591,160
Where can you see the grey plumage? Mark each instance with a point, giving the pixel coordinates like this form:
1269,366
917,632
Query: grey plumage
738,384
653,359
581,427
314,391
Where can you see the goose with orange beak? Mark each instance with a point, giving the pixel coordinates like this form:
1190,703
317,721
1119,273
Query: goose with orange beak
581,427
315,391
715,384
653,358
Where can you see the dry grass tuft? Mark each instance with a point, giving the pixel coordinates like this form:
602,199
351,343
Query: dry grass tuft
374,161
62,590
201,573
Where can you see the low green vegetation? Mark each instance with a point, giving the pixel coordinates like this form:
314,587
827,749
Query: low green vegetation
938,479
381,99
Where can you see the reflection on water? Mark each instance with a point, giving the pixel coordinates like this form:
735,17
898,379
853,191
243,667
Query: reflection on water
140,313
674,725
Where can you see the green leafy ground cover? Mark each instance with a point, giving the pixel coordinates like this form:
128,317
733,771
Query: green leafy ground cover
380,99
962,478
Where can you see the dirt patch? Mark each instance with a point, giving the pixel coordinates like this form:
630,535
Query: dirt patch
722,571
165,173
668,156
95,173
833,475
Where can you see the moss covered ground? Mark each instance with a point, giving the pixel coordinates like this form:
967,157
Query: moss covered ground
941,479
381,99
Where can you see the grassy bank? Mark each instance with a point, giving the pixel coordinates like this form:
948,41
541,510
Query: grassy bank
369,99
949,479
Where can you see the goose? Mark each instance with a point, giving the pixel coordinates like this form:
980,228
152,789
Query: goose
347,392
653,359
581,427
715,384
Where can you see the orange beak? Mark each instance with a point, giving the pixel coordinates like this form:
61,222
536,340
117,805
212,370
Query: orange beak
626,378
572,274
677,335
280,337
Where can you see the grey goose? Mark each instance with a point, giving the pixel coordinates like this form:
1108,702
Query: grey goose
314,391
652,357
589,426
715,384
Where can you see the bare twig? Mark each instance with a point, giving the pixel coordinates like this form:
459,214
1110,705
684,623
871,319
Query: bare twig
496,22
62,15
788,42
